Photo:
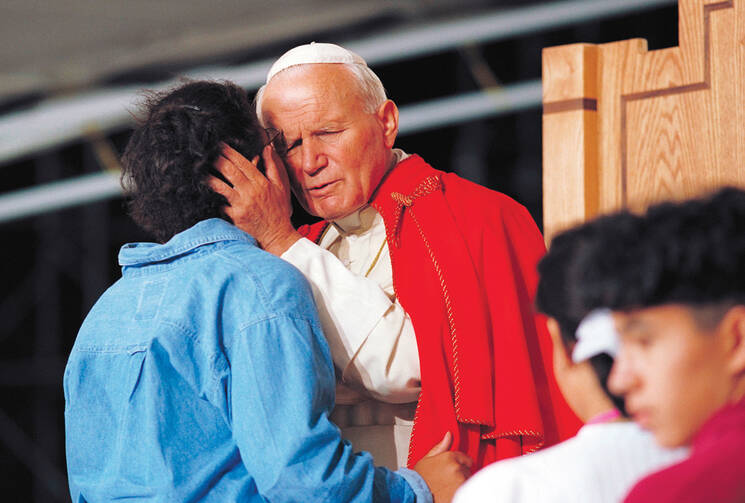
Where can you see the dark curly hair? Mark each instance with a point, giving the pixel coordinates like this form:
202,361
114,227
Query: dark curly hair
690,253
171,154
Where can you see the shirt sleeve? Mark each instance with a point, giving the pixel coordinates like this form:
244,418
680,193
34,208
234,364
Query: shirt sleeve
280,392
371,337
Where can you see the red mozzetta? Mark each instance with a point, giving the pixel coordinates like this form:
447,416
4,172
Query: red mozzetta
464,269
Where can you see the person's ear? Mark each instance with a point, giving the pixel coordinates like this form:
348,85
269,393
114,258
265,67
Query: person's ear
562,358
388,116
732,328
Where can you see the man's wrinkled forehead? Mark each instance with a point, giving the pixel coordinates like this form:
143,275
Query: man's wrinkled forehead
308,93
314,53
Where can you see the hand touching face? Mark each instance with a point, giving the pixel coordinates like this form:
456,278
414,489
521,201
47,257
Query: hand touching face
259,204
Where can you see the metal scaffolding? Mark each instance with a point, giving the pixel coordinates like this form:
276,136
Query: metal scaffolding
59,121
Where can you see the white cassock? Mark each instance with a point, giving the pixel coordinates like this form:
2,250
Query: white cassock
371,337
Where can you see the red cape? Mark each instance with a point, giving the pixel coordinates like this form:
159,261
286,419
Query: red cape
464,269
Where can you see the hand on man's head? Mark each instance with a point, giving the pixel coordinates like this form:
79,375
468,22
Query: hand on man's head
258,204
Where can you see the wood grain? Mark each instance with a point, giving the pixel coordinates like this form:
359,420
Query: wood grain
569,115
669,123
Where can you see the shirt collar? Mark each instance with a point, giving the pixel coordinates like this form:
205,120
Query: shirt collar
205,232
357,222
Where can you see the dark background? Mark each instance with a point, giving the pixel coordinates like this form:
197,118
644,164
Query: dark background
55,265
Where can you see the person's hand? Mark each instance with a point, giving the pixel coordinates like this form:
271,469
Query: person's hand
444,471
258,204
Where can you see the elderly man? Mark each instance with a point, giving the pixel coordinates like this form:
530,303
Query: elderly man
424,281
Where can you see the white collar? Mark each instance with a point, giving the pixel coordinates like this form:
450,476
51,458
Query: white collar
356,222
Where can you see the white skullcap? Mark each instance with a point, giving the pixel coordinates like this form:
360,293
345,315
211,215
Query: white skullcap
314,53
596,334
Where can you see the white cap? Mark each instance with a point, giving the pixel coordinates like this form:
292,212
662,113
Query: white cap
314,53
596,334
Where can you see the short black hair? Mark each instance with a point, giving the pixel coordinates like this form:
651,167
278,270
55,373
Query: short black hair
171,154
571,282
690,253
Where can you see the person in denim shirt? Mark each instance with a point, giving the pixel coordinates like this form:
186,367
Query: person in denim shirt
203,374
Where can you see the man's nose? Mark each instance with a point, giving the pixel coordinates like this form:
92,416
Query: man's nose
313,157
622,377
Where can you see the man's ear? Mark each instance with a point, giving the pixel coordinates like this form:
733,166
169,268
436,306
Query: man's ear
732,328
562,357
388,116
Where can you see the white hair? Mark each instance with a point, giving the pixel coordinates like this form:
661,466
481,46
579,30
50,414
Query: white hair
369,85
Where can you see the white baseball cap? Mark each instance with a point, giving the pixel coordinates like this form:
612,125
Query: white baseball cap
314,53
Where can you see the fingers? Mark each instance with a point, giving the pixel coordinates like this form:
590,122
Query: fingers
220,187
275,170
234,182
455,464
233,155
235,167
460,466
463,458
442,446
228,170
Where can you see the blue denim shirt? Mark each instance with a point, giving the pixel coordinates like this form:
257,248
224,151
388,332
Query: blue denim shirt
203,375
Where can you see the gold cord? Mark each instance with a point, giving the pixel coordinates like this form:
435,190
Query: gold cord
375,260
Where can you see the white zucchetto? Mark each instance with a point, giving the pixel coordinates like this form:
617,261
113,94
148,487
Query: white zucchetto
314,53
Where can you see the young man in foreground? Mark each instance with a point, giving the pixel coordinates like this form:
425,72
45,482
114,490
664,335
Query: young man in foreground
681,368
